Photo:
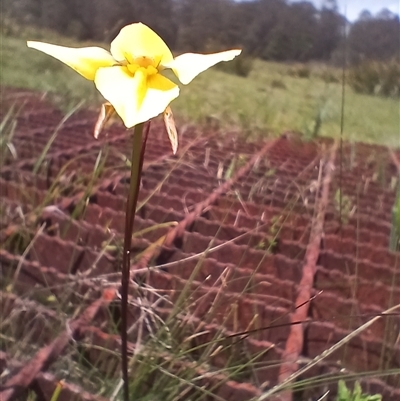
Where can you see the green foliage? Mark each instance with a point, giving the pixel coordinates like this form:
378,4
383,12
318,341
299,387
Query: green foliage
240,66
374,38
395,227
294,35
344,206
329,76
278,84
376,78
299,71
345,394
57,392
7,129
313,128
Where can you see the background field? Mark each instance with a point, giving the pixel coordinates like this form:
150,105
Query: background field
271,100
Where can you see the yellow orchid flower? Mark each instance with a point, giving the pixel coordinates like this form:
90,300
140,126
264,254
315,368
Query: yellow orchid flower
130,76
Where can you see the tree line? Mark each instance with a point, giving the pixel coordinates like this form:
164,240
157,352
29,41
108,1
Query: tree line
269,29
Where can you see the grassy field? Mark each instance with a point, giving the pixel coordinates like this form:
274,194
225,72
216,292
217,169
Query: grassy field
270,100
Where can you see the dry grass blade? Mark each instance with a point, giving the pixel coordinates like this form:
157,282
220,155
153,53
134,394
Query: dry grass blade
286,383
295,341
179,229
48,354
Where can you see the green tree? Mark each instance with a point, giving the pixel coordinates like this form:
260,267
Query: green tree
294,36
374,38
328,37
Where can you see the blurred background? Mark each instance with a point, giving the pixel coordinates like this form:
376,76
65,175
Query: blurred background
271,29
289,76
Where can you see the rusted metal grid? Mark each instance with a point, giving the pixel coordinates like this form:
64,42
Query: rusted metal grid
260,224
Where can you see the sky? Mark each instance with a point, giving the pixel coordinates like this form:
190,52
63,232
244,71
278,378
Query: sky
352,8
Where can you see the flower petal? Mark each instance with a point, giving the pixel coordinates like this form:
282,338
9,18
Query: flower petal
123,90
138,40
160,93
171,128
106,112
136,98
189,65
86,60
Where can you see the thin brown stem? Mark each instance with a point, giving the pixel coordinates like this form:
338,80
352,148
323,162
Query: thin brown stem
138,149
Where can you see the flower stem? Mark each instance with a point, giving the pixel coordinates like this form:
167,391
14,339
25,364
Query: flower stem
139,145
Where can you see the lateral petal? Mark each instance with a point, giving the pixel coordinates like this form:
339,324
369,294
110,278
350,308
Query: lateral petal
138,40
171,128
106,112
86,60
187,66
